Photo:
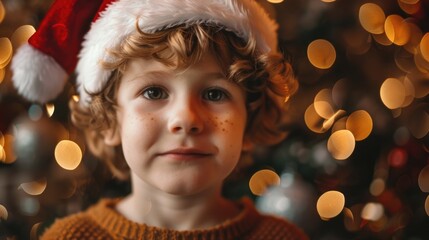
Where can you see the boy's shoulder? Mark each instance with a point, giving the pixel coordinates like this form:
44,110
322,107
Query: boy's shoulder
76,226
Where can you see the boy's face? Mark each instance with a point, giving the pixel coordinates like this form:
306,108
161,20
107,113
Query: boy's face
181,130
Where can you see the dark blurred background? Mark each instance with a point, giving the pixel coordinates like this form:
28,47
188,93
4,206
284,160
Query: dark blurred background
355,164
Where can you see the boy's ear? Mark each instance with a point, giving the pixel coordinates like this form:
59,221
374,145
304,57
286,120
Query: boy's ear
111,136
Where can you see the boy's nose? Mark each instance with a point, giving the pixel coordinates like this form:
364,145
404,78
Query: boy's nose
185,118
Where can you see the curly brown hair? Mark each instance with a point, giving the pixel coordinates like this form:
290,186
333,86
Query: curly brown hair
267,79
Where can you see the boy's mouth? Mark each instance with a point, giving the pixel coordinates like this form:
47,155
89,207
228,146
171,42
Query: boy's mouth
186,153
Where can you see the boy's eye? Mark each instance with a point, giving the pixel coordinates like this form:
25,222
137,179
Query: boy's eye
215,95
155,93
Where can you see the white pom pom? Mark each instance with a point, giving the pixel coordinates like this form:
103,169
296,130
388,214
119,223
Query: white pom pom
37,76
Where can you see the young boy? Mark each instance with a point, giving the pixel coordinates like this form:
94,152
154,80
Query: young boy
177,90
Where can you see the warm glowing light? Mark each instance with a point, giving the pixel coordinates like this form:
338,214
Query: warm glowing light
321,53
377,187
372,211
75,98
35,112
323,103
427,205
419,82
415,37
328,1
263,179
409,1
352,218
68,154
6,52
418,122
2,154
313,120
2,74
21,35
392,93
275,1
397,157
341,144
424,46
50,108
410,8
1,139
340,124
372,17
424,179
8,149
397,30
2,12
35,187
360,124
382,39
330,204
3,210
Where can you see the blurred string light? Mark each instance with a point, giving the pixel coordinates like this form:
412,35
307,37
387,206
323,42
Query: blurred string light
330,204
372,17
50,109
68,154
3,212
410,8
423,179
372,211
427,205
2,74
424,46
35,112
341,144
359,123
392,93
21,35
397,30
8,153
321,53
29,206
377,186
34,187
2,12
6,52
34,233
263,179
275,1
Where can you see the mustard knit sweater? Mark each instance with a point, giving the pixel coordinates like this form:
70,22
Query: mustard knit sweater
101,221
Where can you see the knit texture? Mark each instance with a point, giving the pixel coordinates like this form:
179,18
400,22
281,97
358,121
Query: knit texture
102,222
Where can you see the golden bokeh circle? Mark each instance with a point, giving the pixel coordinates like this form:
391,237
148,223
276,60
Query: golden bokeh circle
323,103
424,46
409,1
263,179
2,11
372,211
313,120
397,30
330,204
2,74
34,187
410,8
416,35
427,205
372,17
3,212
6,52
360,124
21,35
321,54
68,154
341,144
392,93
423,179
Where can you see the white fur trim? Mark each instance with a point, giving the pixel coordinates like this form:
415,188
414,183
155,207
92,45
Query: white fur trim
37,76
244,17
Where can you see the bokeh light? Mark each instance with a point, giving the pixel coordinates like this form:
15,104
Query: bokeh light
8,148
263,179
397,30
415,37
341,144
21,35
3,212
409,1
313,120
418,122
68,154
35,112
323,103
50,109
6,52
372,17
275,1
34,187
410,8
377,186
330,204
392,93
321,54
397,157
2,12
423,179
2,74
419,81
360,124
427,205
424,46
29,206
382,39
372,211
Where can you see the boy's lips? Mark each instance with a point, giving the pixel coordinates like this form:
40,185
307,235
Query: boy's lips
186,153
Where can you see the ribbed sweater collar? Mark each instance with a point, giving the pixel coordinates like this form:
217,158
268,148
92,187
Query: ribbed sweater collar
118,226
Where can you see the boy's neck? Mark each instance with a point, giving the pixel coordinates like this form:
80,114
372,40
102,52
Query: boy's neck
153,207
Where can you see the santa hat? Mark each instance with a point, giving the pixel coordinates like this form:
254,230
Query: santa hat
77,33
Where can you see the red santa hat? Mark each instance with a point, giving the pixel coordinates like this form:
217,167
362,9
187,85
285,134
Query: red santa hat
75,35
